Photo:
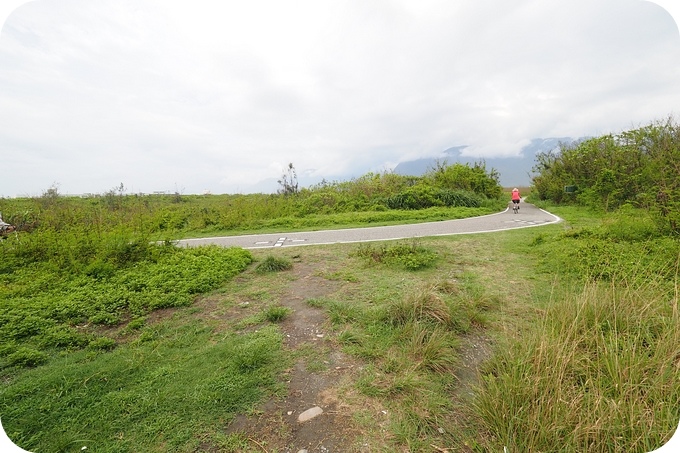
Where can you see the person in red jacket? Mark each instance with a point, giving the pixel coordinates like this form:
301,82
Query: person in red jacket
516,197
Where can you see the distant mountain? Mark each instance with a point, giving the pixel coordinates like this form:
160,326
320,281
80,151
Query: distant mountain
514,171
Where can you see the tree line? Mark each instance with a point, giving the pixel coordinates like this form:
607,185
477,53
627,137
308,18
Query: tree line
638,168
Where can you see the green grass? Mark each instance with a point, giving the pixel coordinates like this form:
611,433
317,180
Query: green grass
273,264
599,372
408,255
580,318
45,309
276,313
595,368
172,389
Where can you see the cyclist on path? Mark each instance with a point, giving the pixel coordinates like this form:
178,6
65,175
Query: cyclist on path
516,197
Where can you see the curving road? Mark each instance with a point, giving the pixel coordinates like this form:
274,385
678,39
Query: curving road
528,216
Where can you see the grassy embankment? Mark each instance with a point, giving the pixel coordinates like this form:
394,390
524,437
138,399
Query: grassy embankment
582,318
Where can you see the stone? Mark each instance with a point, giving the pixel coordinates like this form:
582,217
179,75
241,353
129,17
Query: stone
310,414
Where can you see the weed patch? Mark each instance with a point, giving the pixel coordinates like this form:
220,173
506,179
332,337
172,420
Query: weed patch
273,264
410,256
55,310
276,313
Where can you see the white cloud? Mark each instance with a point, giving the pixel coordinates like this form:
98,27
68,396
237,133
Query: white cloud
222,95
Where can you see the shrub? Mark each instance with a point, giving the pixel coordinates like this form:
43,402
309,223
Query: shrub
100,270
464,177
64,337
418,197
637,167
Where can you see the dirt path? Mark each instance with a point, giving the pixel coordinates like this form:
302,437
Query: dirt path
324,383
276,427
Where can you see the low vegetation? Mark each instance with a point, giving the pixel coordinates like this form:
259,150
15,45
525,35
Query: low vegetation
410,256
575,325
597,368
273,264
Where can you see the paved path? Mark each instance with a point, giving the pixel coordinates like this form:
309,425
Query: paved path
528,216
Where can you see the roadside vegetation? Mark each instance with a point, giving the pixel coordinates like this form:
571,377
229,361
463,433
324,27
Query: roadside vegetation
446,191
637,168
596,366
597,369
116,340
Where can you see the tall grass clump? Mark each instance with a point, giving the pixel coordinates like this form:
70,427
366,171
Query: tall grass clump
413,344
276,313
273,264
411,256
599,373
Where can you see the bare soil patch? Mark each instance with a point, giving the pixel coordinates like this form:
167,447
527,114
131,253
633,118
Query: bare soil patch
325,379
275,427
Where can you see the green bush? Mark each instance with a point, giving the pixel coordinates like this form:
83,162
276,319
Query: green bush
100,270
102,343
418,197
464,177
637,167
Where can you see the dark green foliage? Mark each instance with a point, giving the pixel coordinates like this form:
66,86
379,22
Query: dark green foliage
422,197
102,344
638,167
100,269
464,177
25,357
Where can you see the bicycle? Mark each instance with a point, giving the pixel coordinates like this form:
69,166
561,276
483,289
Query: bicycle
515,207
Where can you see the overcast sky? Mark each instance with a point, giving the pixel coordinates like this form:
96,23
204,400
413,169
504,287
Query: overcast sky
219,96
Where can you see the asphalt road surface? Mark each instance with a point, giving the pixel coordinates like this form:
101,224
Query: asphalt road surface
528,216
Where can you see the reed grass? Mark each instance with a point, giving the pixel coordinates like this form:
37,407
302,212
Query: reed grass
598,372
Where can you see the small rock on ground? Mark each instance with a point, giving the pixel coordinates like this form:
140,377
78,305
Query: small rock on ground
310,414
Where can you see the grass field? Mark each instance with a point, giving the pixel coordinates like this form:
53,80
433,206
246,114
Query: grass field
575,326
